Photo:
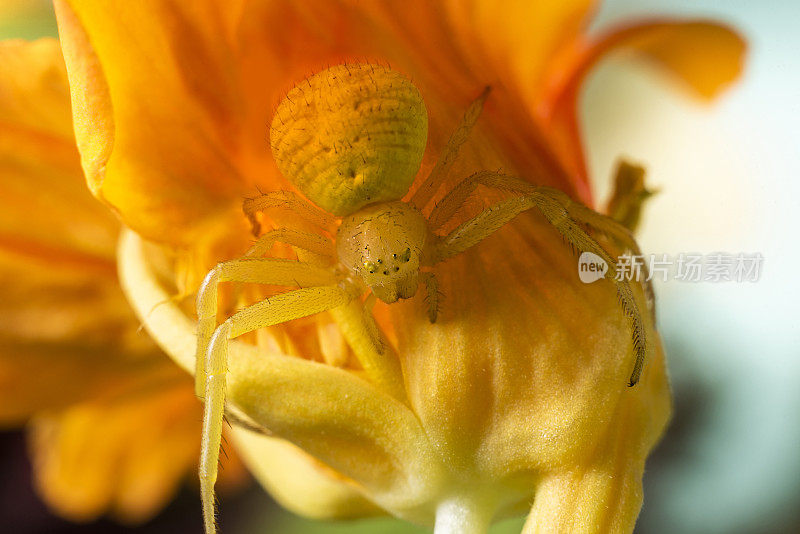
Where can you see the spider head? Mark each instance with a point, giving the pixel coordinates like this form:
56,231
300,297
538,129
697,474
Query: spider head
391,275
382,244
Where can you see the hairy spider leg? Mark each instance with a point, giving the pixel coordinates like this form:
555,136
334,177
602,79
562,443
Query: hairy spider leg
453,201
274,310
612,228
493,218
432,288
321,248
273,271
423,195
285,200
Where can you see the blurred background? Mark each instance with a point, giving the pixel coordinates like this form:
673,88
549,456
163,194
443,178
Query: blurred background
728,180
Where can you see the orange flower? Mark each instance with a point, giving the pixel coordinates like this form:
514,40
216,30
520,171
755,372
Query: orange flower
113,423
519,392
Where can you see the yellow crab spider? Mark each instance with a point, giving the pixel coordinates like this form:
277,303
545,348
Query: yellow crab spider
351,139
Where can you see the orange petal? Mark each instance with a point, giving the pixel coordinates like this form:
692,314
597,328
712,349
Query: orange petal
156,110
69,343
172,105
454,49
518,42
65,327
705,56
61,310
46,211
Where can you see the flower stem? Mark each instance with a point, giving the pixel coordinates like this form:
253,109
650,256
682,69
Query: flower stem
464,514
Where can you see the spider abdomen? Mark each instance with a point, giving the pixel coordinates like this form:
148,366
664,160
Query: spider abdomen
350,136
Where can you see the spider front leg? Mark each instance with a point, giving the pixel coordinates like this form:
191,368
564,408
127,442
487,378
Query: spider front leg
321,248
492,219
454,199
423,195
271,271
274,310
285,200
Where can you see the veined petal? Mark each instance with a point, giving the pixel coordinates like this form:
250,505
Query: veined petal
172,125
518,43
526,364
602,492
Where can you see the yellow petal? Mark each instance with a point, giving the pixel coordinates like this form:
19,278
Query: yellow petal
126,453
368,440
371,438
45,208
602,492
526,365
300,482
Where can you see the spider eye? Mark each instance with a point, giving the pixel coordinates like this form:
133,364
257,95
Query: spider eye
407,255
368,265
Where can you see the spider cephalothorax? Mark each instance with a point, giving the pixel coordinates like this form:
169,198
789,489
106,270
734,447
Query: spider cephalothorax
383,243
351,139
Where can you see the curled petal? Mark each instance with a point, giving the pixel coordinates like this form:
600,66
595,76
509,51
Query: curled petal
704,55
371,437
158,141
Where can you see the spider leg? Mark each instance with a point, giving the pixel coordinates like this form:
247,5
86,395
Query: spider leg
274,310
271,271
320,247
450,204
380,362
609,227
285,200
423,195
369,322
432,288
561,212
